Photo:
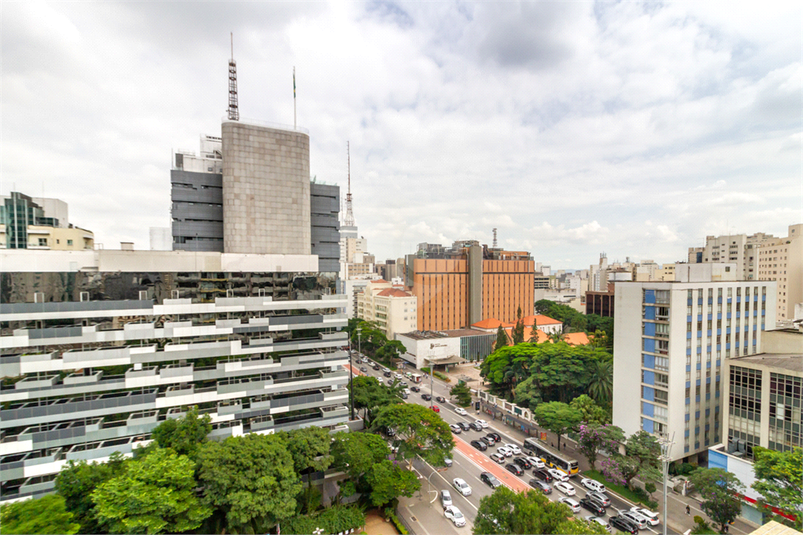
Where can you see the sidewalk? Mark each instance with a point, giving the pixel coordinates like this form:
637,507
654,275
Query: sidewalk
676,503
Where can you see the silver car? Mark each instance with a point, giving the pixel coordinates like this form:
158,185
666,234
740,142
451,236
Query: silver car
446,498
636,518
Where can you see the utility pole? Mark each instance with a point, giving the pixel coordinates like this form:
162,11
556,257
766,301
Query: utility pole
351,380
666,447
431,387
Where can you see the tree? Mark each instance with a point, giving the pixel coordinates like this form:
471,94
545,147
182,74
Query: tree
45,515
594,438
779,478
389,481
153,494
501,338
391,350
600,385
184,435
644,447
309,447
355,454
419,431
251,479
534,331
557,417
462,392
518,330
506,511
592,413
720,491
76,482
370,396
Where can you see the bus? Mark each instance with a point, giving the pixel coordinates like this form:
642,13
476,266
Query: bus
551,457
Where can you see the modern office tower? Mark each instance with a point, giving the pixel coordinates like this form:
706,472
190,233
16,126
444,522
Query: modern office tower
39,223
781,260
467,283
670,340
99,347
740,249
324,225
393,309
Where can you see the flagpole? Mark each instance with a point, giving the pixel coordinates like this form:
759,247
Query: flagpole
294,97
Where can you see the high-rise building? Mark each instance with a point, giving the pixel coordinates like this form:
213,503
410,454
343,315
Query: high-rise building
671,339
39,223
467,283
740,249
781,260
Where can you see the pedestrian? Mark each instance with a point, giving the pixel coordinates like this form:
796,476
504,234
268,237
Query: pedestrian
688,510
726,528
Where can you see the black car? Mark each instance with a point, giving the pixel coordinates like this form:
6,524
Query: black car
523,463
464,426
376,366
623,524
542,475
494,436
490,479
515,469
593,506
426,397
479,445
387,374
475,426
540,485
415,388
440,399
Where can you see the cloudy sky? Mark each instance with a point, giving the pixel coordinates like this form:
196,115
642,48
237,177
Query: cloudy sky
573,127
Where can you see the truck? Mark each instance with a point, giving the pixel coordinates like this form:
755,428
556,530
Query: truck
416,377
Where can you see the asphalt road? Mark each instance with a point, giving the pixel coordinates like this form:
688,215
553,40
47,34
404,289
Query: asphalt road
426,511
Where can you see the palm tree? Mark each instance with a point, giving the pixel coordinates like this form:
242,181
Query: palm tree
601,386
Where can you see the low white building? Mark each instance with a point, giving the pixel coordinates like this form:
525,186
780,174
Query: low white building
444,348
393,309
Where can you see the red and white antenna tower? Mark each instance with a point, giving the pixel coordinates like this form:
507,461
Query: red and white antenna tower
234,111
348,219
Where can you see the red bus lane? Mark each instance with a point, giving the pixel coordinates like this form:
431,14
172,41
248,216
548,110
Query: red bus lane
487,465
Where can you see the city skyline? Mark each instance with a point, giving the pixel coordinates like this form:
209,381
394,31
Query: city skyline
573,128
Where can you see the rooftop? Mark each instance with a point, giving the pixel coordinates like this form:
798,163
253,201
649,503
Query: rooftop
425,335
464,332
774,360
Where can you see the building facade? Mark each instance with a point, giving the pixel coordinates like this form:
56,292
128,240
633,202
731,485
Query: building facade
100,347
392,309
781,260
671,339
41,224
739,249
445,348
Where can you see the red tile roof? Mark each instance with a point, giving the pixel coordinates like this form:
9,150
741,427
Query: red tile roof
393,292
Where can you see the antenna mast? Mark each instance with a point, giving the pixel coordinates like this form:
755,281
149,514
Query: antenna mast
234,111
348,220
495,243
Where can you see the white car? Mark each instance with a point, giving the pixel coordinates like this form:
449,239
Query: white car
652,518
454,514
498,457
573,504
446,498
638,519
482,423
536,462
461,411
591,484
558,475
461,486
514,449
504,451
565,488
598,520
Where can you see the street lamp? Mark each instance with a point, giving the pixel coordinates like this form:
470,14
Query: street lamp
666,447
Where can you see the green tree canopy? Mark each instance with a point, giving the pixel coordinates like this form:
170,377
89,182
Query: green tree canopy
309,447
76,482
557,417
45,515
389,481
779,478
251,479
600,385
720,491
153,494
356,453
594,438
592,413
462,392
371,396
184,435
501,338
419,431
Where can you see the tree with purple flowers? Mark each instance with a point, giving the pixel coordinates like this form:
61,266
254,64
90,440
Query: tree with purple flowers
594,439
641,459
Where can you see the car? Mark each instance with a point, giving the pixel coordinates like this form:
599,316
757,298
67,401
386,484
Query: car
565,488
475,426
601,497
494,436
415,388
464,426
591,484
524,463
440,399
592,505
498,457
482,423
461,486
487,441
637,519
598,520
652,518
363,369
514,469
538,484
543,475
454,514
455,429
387,374
490,479
573,505
514,449
504,451
448,462
435,408
426,397
559,475
398,376
623,524
461,411
536,462
375,367
404,395
407,391
479,445
446,498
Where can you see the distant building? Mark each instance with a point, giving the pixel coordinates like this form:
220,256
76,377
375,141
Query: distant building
445,348
392,309
781,260
740,249
40,223
601,303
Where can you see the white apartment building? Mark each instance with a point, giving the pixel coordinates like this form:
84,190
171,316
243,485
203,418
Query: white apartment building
671,339
733,248
781,260
393,309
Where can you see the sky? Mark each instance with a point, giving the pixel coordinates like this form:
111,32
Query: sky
573,127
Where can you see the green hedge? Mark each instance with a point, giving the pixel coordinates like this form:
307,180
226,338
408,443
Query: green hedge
439,375
334,519
391,515
622,490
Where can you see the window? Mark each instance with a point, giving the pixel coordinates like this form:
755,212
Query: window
69,242
42,242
